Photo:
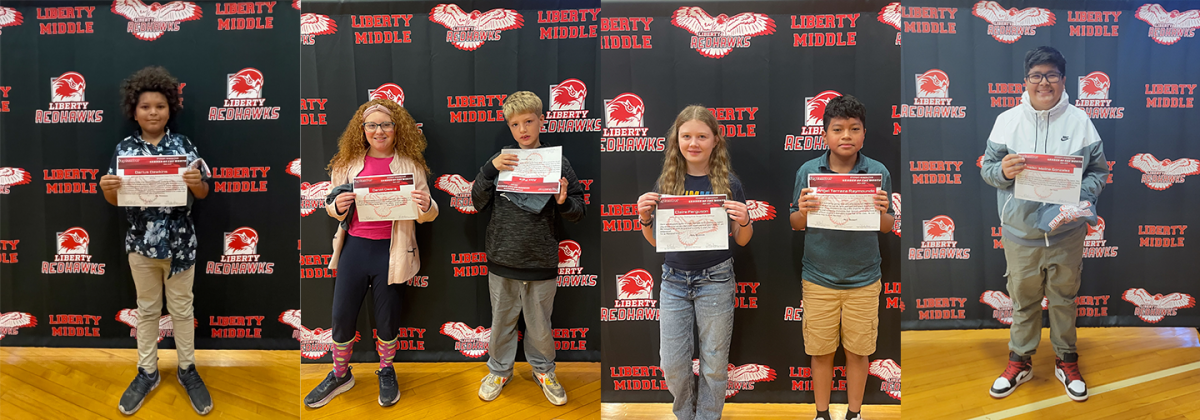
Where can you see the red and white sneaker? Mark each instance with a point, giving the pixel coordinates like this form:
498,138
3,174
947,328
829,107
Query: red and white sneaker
1019,371
1066,370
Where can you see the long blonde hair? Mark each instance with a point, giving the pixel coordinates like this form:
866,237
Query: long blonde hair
674,169
352,146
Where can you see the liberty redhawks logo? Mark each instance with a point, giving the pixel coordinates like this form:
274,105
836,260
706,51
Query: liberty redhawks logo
316,24
891,14
760,210
896,205
468,31
1154,308
148,22
470,342
246,83
636,284
940,228
569,253
626,110
460,192
1001,304
1009,25
67,88
12,176
389,91
1162,174
242,241
10,17
312,197
293,168
889,372
1095,233
313,343
741,378
568,95
73,241
933,84
715,37
296,4
1094,86
1168,28
11,321
814,108
166,327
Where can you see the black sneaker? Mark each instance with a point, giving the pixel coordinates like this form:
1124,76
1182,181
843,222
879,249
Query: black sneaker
1019,371
329,388
197,392
142,384
1066,370
389,390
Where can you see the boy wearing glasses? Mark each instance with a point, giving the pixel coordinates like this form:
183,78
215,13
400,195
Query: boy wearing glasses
1043,243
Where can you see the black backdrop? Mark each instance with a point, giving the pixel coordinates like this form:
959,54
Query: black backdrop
1128,252
250,187
375,44
768,82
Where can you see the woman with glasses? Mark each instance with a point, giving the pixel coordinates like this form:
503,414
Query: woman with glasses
381,139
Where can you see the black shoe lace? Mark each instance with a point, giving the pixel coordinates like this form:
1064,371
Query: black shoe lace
142,383
191,380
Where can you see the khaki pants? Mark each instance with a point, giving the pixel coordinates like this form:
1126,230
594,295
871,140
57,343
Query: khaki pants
1037,272
150,276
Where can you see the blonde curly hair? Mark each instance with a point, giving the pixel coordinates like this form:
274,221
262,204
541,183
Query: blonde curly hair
352,146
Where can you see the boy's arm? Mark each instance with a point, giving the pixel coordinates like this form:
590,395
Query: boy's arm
995,152
887,219
1095,175
485,184
199,190
111,196
798,219
573,209
423,185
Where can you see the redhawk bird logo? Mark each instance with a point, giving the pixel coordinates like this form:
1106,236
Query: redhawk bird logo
293,168
724,30
1162,174
569,253
149,22
890,14
315,343
933,84
11,321
814,108
1009,25
760,210
296,4
242,241
741,377
67,88
471,342
13,176
940,228
246,83
896,205
312,197
1154,308
636,284
468,31
1168,28
389,91
568,95
73,241
626,110
166,327
316,24
889,372
1095,233
1094,86
10,17
460,192
1001,304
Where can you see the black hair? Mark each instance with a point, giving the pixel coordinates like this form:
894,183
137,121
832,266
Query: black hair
845,106
1045,55
150,79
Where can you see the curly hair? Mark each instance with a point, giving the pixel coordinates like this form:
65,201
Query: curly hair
674,169
150,79
845,106
352,146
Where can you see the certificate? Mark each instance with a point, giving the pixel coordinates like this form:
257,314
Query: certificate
691,223
1053,179
385,197
847,201
537,172
152,181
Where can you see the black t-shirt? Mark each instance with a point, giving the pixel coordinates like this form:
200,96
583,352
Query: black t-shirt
699,260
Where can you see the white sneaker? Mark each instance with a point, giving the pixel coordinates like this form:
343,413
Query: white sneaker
550,386
490,386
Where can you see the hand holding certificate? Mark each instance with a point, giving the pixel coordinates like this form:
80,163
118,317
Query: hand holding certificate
152,181
537,171
691,223
385,197
1053,179
847,201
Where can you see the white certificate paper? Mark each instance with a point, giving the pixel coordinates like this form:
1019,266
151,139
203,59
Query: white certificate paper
385,197
152,181
847,201
691,223
537,172
1053,179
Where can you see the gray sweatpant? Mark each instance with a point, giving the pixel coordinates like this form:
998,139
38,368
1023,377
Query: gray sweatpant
1037,272
509,297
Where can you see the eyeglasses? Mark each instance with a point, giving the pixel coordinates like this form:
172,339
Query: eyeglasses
387,126
1036,78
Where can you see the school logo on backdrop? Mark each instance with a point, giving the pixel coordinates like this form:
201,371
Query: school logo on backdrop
932,100
570,268
1094,243
313,24
12,176
240,255
896,205
741,378
810,137
715,37
933,84
1009,25
245,84
468,31
626,110
568,95
312,197
460,192
1154,308
624,126
760,210
10,322
293,168
313,343
166,327
1002,309
68,103
937,241
10,17
389,91
1167,28
567,113
891,15
635,298
888,371
244,98
72,255
1162,174
470,342
1093,97
149,22
569,253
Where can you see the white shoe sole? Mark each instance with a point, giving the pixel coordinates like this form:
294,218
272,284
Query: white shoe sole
550,397
336,391
1020,380
139,406
1062,377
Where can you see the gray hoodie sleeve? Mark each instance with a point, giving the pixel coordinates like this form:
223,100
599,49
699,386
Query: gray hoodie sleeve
1095,175
995,152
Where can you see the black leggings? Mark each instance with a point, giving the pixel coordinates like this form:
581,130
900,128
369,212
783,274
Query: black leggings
363,263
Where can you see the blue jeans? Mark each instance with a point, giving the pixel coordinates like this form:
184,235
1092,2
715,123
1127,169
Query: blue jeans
700,299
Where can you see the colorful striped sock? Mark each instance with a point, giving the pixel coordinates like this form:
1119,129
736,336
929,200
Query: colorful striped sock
341,357
387,351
